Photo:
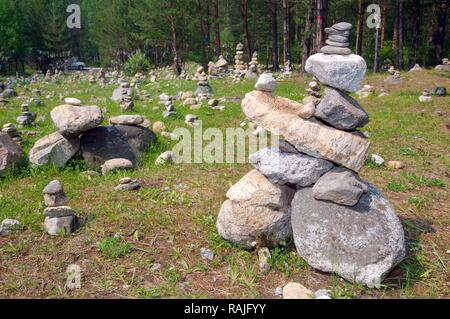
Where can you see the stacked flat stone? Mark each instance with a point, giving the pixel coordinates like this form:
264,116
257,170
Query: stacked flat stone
170,108
395,77
239,65
218,69
308,187
128,184
58,216
12,131
338,39
252,72
26,117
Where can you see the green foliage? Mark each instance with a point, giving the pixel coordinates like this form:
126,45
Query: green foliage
112,247
138,62
397,187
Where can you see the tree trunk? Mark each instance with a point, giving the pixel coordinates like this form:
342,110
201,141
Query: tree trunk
244,9
286,33
360,28
307,38
400,63
417,12
218,48
176,54
439,37
203,31
383,23
319,26
376,62
274,18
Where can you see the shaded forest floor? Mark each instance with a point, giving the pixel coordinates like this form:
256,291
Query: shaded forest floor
173,216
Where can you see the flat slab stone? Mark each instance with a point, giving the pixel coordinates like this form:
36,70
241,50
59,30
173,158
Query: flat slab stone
343,72
10,152
361,244
337,44
53,149
307,136
133,120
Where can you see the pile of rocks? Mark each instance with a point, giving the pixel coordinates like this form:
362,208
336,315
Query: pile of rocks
204,91
77,129
124,96
58,216
252,72
128,184
239,65
337,42
169,108
439,91
416,68
444,67
426,96
26,117
218,69
12,131
309,186
395,78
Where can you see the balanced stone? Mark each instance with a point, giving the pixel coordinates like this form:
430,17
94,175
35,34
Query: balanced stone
342,26
56,225
338,38
308,136
337,44
72,101
53,149
133,120
257,212
60,211
361,243
297,170
73,120
331,50
340,186
343,72
54,195
266,83
341,111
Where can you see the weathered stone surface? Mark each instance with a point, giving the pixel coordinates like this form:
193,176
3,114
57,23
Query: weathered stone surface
296,291
118,141
256,211
296,170
338,44
342,26
54,149
341,111
307,136
116,164
9,225
266,82
72,101
73,120
340,186
119,92
132,120
165,158
343,72
361,244
10,152
60,211
443,68
53,226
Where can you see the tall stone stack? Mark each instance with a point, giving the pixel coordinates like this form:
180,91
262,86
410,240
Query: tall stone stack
204,90
308,187
239,65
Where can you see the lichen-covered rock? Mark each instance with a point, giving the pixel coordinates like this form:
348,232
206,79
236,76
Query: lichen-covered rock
54,149
361,243
256,211
72,120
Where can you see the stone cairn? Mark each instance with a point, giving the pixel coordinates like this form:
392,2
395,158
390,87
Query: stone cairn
252,72
218,69
239,64
426,96
308,187
204,91
395,77
26,117
445,66
58,216
416,68
12,131
170,108
123,95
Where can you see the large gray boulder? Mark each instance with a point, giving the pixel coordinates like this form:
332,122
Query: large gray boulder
10,153
257,212
361,244
341,111
298,170
72,120
340,186
54,149
343,72
118,141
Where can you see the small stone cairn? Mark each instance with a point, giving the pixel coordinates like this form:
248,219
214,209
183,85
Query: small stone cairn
12,131
218,69
239,64
337,42
170,108
426,96
416,68
444,67
26,118
252,72
395,78
58,216
308,186
204,91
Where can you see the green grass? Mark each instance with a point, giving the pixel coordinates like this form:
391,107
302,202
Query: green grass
174,215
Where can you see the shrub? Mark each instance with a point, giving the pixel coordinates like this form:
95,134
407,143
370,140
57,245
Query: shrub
138,62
